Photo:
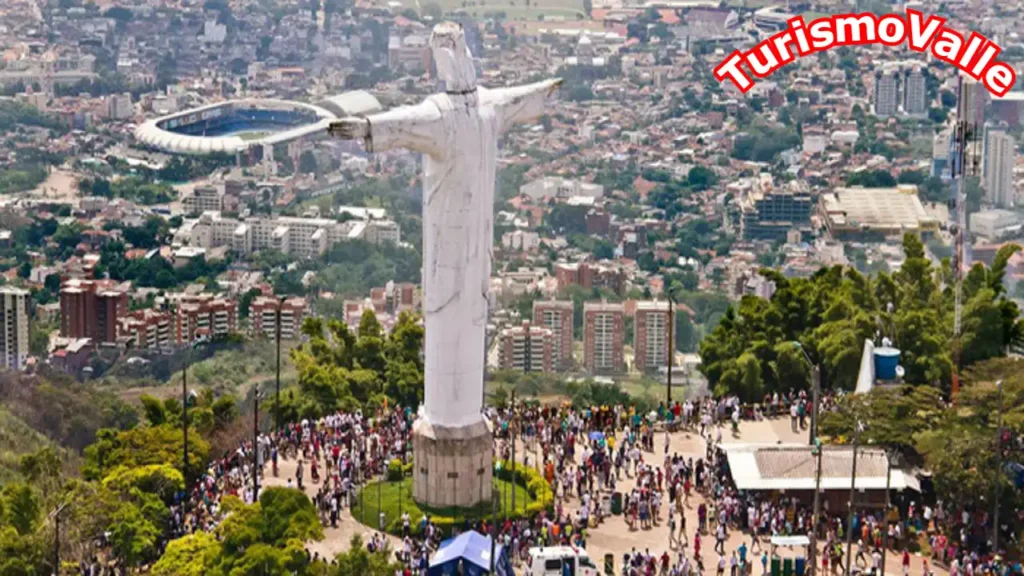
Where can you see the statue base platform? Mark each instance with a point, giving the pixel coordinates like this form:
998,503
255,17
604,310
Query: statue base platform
453,466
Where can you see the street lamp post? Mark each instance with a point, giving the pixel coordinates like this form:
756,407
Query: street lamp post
999,468
277,377
671,351
815,393
56,536
816,451
858,427
184,420
255,444
512,434
890,457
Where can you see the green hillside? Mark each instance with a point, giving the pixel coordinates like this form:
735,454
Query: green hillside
16,439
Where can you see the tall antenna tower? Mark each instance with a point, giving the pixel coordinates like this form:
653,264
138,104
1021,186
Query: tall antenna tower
964,164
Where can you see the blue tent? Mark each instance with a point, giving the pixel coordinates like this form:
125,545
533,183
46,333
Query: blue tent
473,551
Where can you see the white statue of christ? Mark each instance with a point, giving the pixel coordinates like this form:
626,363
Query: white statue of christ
457,131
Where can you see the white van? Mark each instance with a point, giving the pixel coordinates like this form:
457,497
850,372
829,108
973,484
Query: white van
560,561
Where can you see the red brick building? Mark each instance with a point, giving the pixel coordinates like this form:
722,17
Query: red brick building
603,336
557,316
204,317
92,309
149,329
591,275
263,317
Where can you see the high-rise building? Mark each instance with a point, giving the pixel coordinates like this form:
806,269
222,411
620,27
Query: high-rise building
603,334
92,309
651,329
886,93
972,99
915,93
998,157
14,327
557,316
526,348
263,317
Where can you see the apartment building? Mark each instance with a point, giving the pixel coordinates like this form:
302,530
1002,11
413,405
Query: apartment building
92,308
300,237
591,275
203,317
603,337
204,199
557,316
149,329
999,155
526,348
263,317
651,328
14,332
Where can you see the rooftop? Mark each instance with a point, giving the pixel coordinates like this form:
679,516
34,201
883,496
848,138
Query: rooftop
792,467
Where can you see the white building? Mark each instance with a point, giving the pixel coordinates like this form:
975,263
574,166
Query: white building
301,237
213,33
381,231
14,327
204,199
998,157
814,143
995,224
560,188
520,241
119,106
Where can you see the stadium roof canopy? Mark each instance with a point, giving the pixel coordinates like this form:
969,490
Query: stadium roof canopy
153,132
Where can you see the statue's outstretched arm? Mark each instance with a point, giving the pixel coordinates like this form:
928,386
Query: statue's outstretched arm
415,128
520,104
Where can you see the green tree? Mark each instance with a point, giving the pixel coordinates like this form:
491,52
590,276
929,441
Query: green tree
188,556
307,163
141,447
20,507
701,178
359,560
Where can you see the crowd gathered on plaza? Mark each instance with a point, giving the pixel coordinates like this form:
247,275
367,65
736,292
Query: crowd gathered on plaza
590,456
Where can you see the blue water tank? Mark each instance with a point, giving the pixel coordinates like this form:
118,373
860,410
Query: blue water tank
886,361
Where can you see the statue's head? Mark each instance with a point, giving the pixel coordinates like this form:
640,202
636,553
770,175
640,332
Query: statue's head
451,54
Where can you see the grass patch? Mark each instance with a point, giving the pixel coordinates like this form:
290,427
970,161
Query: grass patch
366,510
247,136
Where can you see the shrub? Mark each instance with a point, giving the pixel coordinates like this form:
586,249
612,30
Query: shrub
395,470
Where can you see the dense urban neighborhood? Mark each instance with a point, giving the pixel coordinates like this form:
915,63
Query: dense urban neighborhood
774,329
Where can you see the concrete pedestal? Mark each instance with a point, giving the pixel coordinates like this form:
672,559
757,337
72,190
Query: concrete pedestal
453,465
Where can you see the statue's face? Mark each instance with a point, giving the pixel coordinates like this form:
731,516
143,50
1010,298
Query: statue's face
454,62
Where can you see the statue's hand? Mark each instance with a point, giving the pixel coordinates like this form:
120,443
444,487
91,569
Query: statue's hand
350,128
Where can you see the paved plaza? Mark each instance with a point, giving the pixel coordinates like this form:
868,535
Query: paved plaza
614,536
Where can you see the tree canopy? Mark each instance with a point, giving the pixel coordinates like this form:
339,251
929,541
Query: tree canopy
752,352
339,368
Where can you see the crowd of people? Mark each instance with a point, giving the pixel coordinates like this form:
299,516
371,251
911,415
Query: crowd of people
595,459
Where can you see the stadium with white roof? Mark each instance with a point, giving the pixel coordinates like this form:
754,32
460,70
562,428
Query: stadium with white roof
238,126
